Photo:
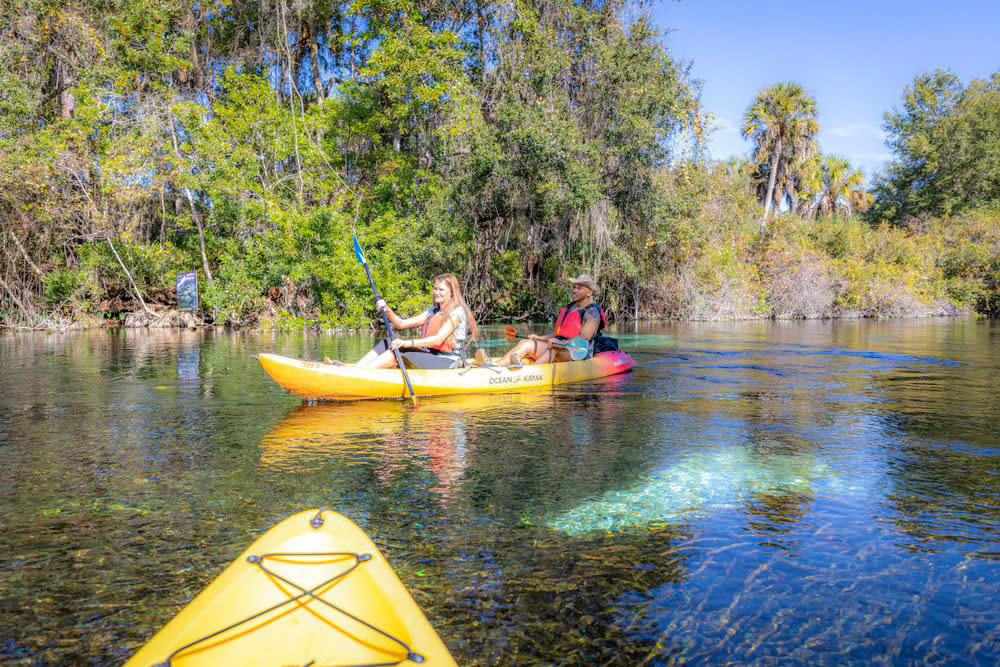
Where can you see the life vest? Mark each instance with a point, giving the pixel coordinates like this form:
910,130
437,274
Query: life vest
432,325
569,324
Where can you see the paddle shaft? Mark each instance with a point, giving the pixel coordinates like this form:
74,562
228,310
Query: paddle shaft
550,343
388,328
575,347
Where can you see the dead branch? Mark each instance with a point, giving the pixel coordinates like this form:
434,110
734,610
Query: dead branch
24,253
129,276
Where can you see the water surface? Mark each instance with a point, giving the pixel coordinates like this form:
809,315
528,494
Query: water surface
794,493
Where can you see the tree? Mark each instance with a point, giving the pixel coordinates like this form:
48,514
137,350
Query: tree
781,122
842,188
514,143
803,178
578,113
946,141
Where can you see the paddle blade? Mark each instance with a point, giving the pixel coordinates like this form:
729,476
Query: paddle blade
578,349
510,333
358,252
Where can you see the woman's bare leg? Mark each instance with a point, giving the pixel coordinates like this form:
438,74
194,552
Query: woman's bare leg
366,360
385,360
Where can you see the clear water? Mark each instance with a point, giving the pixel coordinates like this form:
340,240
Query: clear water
793,493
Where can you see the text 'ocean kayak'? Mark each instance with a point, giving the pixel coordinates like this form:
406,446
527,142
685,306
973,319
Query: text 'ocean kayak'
313,590
316,380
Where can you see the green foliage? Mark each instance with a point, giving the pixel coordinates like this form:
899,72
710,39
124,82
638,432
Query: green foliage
63,284
153,266
558,174
781,121
236,296
969,259
839,237
841,187
511,144
946,141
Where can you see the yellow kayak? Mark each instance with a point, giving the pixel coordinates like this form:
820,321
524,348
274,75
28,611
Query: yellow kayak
316,380
313,590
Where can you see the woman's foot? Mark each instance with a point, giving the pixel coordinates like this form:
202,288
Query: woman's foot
332,362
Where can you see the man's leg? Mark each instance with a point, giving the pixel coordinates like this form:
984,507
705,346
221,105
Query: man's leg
526,349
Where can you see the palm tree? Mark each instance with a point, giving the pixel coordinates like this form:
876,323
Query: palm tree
798,181
782,123
843,189
860,200
808,176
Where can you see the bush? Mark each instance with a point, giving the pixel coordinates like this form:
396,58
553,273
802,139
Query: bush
719,284
62,284
153,266
801,283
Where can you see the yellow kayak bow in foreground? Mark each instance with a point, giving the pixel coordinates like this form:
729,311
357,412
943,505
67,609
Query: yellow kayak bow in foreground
313,590
316,380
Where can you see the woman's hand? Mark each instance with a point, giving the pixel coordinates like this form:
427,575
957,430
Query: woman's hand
381,305
399,343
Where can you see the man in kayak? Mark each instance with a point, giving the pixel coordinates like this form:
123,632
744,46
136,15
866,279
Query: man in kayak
447,328
582,318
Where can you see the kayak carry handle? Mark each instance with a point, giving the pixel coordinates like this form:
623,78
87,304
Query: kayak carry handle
317,521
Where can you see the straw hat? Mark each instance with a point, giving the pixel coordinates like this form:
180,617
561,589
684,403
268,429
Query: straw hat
585,280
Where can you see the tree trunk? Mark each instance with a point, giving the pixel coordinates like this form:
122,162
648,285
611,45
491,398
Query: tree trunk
481,29
64,83
770,187
24,253
314,57
194,213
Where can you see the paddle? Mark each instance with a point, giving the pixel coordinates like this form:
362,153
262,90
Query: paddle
578,347
359,253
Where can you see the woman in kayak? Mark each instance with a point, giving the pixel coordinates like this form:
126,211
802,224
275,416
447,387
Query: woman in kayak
582,318
447,328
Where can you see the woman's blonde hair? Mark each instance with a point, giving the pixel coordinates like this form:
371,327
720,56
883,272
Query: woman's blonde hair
458,300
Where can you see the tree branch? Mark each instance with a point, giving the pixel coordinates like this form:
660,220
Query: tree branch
24,253
129,276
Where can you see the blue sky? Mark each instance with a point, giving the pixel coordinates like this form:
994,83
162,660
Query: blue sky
855,58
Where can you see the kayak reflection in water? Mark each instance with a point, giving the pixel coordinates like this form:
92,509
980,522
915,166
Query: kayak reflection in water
447,329
581,318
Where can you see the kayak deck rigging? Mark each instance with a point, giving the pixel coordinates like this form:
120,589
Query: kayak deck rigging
292,599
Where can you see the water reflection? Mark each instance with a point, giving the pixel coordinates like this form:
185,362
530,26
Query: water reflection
498,450
757,493
944,495
440,436
188,357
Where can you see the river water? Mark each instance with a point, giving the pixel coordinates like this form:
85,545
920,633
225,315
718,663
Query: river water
791,492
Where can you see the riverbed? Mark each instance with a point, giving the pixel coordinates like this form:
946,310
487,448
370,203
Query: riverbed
823,492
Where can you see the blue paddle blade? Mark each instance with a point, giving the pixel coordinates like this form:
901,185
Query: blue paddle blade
578,349
358,252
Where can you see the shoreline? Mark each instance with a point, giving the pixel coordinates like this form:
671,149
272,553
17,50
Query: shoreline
182,320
